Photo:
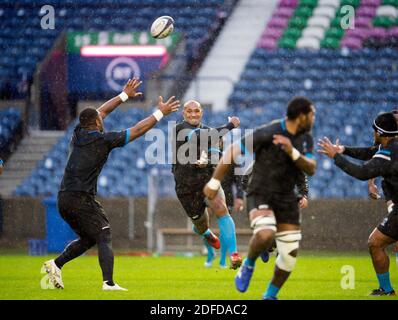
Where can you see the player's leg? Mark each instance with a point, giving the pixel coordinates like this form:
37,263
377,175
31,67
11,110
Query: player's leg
195,208
202,223
287,240
68,207
223,253
227,227
262,221
377,243
95,224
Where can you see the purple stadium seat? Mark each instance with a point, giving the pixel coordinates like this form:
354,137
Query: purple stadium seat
366,12
268,43
278,23
288,3
372,3
273,33
360,33
283,12
353,43
380,33
362,22
393,32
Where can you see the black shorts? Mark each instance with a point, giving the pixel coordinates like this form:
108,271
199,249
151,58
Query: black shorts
286,210
193,203
83,213
389,225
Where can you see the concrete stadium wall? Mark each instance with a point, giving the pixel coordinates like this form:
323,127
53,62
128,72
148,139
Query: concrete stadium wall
326,224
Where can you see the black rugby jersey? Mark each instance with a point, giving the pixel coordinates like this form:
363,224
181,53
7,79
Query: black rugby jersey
274,171
381,162
88,152
188,176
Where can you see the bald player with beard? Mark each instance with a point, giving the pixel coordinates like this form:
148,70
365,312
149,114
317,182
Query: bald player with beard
192,169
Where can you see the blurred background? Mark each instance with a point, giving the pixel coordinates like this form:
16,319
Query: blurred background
237,57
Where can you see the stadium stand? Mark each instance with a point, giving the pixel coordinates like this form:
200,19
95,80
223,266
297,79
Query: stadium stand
20,30
10,128
351,75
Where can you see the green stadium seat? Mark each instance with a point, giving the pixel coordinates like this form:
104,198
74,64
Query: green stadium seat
384,22
288,43
330,42
336,33
293,33
297,22
308,3
336,23
304,12
390,3
354,3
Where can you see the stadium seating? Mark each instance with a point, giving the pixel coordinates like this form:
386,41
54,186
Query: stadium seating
315,24
20,28
10,125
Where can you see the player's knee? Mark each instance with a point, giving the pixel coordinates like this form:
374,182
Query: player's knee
88,242
264,235
287,243
373,244
263,223
104,236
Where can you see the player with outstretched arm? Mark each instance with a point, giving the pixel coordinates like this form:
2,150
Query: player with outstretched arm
283,154
89,149
381,161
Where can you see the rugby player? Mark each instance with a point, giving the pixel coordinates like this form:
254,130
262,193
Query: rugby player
77,204
234,202
192,174
283,154
381,160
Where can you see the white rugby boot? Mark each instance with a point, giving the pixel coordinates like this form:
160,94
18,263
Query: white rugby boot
54,274
116,287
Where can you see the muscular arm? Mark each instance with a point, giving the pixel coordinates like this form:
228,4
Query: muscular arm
374,168
148,123
109,106
360,153
226,161
307,165
130,89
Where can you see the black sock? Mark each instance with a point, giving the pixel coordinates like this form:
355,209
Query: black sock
105,255
73,250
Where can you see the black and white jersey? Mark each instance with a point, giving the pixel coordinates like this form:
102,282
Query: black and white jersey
273,170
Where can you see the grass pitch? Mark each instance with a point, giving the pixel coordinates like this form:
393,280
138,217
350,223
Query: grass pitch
317,276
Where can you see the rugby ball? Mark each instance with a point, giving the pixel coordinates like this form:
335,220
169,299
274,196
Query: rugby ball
162,27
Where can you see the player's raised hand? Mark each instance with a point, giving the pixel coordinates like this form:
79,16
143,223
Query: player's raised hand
169,106
235,121
328,148
284,142
340,148
131,88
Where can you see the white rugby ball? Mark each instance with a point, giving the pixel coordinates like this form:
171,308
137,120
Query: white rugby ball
162,27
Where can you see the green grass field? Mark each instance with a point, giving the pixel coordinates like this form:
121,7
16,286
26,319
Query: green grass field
157,278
